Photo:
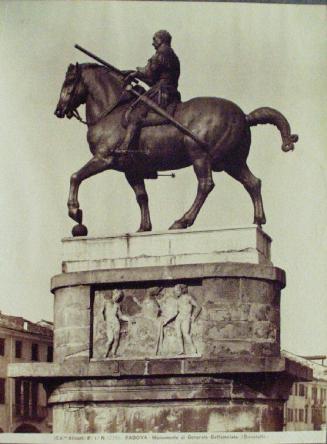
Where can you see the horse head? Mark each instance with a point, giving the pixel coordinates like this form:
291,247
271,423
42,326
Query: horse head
72,93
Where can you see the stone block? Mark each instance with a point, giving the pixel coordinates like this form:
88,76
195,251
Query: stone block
190,410
133,367
72,322
262,292
244,244
165,366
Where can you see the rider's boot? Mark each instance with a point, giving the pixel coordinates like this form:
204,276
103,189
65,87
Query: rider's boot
130,139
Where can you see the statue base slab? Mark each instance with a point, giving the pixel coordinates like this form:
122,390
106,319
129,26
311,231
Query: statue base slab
175,247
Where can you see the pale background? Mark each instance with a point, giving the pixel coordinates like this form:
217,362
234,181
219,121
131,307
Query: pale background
253,54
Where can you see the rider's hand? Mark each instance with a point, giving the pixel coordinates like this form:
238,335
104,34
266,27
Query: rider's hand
130,77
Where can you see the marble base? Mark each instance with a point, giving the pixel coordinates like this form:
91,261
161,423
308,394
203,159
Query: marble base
176,247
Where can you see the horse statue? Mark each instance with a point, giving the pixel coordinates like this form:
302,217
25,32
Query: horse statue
219,123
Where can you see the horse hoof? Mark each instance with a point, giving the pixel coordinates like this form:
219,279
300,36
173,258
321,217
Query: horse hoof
178,225
79,230
141,229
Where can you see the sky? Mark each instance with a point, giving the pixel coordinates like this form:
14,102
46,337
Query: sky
253,54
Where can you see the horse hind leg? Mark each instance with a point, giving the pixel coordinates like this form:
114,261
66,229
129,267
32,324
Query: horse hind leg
252,184
203,171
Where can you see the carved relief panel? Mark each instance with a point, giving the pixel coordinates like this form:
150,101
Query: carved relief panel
145,322
214,317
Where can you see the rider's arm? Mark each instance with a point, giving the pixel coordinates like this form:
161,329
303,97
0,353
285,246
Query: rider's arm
146,73
150,73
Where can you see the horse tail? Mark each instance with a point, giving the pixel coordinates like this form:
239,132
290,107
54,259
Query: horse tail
269,115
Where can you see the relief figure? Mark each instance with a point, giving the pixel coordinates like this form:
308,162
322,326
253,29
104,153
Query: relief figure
184,310
112,315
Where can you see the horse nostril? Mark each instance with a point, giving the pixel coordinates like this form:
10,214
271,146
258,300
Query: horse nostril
58,113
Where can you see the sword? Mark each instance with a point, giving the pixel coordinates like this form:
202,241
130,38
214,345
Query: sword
150,103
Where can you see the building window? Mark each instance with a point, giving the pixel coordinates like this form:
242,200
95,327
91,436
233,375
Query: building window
26,399
289,415
2,347
323,414
2,390
50,353
295,389
314,393
306,414
306,391
18,397
35,352
316,415
18,349
301,415
301,390
34,396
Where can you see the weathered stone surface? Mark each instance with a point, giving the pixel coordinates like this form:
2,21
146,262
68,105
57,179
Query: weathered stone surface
244,365
190,410
229,320
72,323
169,273
243,244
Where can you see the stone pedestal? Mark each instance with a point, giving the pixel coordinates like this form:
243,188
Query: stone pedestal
172,331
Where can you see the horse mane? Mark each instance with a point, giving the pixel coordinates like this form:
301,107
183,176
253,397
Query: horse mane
106,73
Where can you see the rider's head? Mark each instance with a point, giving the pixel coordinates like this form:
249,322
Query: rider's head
161,37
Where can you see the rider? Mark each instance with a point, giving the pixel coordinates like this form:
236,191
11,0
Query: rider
161,73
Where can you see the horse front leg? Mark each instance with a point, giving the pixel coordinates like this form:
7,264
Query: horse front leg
203,171
137,183
92,167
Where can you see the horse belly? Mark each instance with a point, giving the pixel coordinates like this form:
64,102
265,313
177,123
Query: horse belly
164,146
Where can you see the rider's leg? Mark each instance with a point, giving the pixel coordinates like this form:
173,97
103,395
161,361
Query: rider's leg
133,129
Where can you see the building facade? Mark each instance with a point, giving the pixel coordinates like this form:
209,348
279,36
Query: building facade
306,406
23,404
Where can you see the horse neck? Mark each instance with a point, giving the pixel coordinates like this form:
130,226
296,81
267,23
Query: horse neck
103,90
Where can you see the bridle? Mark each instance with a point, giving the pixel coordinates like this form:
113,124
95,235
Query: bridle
74,111
69,106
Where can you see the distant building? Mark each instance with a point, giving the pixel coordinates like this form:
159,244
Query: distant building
306,406
23,403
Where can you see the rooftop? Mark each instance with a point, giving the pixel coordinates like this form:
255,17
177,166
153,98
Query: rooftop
17,323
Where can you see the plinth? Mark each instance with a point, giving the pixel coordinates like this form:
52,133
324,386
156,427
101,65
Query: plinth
170,331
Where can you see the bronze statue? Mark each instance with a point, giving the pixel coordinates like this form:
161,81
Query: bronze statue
161,73
212,134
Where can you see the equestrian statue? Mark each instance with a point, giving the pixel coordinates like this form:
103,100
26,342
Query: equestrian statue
142,131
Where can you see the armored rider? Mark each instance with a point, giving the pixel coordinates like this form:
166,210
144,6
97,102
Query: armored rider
161,73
